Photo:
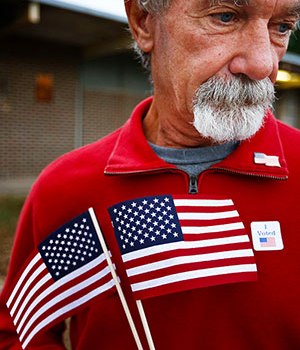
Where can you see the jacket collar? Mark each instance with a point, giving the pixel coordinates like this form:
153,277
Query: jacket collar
266,142
132,153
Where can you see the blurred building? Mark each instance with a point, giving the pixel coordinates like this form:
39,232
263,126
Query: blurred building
67,78
287,106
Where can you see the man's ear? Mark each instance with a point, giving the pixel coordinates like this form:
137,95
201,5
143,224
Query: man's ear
141,25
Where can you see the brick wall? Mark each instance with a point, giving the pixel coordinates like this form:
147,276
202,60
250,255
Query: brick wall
105,112
34,133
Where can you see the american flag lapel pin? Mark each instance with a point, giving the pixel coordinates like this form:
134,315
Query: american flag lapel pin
267,160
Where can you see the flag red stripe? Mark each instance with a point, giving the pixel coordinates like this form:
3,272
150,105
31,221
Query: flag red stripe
211,222
213,235
27,285
188,209
185,252
25,308
67,301
190,267
21,275
193,284
57,291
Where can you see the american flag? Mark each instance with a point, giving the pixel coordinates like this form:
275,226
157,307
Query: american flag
173,243
261,158
67,270
267,242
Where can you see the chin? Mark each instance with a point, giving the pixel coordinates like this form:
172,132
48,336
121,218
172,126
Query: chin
228,125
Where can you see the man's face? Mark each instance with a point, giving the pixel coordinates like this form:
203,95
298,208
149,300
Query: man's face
196,40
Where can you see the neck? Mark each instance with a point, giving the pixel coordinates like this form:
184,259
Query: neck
169,128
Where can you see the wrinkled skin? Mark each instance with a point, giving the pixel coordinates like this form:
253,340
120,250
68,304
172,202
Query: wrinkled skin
197,39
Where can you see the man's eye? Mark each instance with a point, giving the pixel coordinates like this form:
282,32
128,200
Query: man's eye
225,17
284,28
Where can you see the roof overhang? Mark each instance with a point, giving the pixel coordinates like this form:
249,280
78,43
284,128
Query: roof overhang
92,34
98,8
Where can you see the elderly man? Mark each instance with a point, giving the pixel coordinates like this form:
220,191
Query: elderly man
225,274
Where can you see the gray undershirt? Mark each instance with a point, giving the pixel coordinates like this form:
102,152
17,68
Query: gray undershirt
194,160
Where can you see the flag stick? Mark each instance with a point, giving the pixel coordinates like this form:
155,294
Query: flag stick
145,324
116,280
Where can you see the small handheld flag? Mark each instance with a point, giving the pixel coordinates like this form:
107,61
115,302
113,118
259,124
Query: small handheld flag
66,272
176,243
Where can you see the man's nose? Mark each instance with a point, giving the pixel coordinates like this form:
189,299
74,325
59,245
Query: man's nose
255,55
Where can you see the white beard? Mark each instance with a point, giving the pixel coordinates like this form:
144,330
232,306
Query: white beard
231,110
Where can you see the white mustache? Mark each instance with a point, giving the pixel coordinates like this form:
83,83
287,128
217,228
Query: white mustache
237,91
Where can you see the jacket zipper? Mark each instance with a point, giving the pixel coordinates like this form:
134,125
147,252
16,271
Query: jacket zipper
284,177
193,184
193,179
137,171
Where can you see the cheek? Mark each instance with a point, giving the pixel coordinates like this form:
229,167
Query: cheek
207,63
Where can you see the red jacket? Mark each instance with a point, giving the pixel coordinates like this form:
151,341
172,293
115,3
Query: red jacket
252,315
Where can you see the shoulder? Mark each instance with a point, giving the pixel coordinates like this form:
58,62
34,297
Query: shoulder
286,131
83,160
290,140
72,183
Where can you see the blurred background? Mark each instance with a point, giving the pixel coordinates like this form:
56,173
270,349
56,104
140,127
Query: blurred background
68,77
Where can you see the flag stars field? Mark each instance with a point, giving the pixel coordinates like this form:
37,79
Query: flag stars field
76,239
151,219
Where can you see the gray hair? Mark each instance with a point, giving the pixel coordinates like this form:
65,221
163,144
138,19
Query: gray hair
154,7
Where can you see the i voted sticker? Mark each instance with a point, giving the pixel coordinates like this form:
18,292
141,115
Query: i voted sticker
266,235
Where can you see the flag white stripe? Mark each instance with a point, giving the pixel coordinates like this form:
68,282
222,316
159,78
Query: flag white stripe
68,308
45,279
260,160
27,285
183,245
67,293
60,283
210,229
21,279
208,216
178,277
202,202
181,260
